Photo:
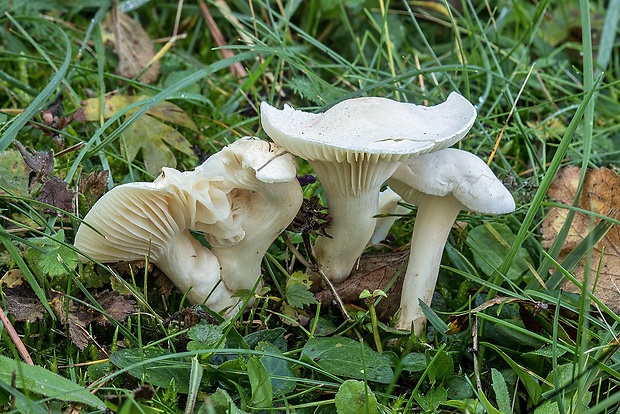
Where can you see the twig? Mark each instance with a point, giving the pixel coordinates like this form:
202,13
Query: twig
236,68
21,348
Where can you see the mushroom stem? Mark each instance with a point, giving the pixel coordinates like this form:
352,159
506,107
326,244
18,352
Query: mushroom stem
201,273
273,207
432,226
350,215
352,202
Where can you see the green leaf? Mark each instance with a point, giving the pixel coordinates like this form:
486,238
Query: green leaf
348,358
531,384
55,257
23,403
458,388
151,136
355,397
414,362
220,402
433,398
490,244
39,380
501,391
297,291
281,377
13,174
195,379
274,336
262,393
150,369
566,389
205,336
439,366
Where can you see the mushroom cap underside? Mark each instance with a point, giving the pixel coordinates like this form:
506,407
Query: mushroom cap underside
369,128
136,220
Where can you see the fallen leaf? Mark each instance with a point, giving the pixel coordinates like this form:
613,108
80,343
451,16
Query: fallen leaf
153,137
22,303
115,305
601,195
12,278
92,186
14,174
132,45
77,317
375,271
56,192
75,320
147,134
41,163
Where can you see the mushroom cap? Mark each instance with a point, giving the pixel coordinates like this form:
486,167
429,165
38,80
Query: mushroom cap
250,161
369,128
452,172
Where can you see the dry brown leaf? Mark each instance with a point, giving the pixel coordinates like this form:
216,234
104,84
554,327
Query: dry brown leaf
23,304
115,305
41,163
93,186
75,320
77,317
12,278
600,194
132,45
375,271
55,192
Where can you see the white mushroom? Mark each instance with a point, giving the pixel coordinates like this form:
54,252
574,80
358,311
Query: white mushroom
265,199
441,184
155,220
354,147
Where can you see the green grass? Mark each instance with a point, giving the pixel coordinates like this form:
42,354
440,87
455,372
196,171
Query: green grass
543,77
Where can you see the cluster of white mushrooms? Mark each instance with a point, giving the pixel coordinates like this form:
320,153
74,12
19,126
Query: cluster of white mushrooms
243,197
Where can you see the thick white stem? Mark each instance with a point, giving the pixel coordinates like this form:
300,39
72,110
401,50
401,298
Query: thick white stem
352,226
352,190
189,264
433,222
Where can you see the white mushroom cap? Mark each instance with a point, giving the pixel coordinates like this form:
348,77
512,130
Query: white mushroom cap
453,172
369,128
441,184
354,147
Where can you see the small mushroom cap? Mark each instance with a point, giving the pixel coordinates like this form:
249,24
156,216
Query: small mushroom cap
452,172
250,161
369,128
